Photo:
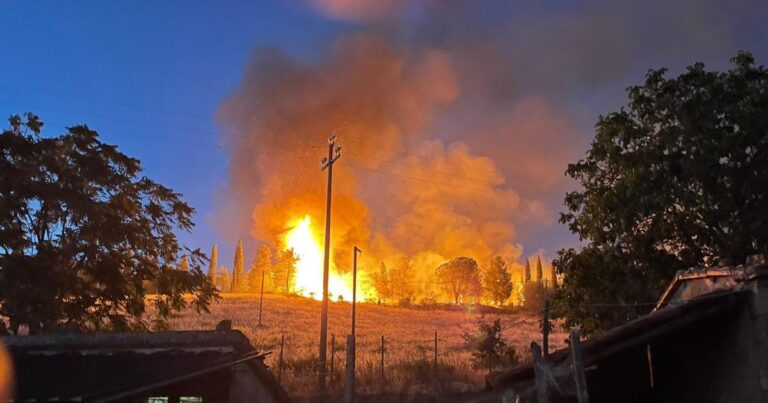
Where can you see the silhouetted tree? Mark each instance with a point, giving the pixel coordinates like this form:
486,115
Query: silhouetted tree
213,264
674,179
497,281
461,278
539,270
527,271
226,280
82,231
286,269
261,265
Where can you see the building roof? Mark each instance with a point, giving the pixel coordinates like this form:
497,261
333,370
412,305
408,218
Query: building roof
635,333
110,366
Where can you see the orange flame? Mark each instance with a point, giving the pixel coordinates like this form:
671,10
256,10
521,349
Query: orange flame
309,268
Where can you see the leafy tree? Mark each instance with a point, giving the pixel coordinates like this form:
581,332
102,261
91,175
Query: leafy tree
461,278
675,179
262,264
539,270
83,232
213,264
497,281
488,346
238,276
225,281
286,270
380,280
527,271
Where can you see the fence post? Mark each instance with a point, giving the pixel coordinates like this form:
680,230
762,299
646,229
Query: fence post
333,351
280,362
578,366
349,396
435,354
541,381
382,360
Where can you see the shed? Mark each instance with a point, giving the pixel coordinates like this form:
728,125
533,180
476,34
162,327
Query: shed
706,341
174,367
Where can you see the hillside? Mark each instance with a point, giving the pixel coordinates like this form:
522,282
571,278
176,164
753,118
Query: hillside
408,334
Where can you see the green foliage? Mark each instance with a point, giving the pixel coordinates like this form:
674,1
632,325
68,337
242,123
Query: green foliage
261,265
238,275
497,280
488,346
461,278
673,180
83,233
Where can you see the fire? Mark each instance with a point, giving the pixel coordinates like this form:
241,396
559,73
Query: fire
309,268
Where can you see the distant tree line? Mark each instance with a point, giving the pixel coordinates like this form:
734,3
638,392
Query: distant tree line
278,270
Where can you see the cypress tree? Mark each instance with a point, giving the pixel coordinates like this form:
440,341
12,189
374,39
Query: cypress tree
214,264
237,270
184,265
527,271
553,276
539,270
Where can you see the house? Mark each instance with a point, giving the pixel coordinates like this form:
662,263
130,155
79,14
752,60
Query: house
706,341
173,367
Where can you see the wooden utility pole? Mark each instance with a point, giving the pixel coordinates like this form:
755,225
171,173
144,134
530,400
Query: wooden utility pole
261,296
545,331
355,251
334,152
578,366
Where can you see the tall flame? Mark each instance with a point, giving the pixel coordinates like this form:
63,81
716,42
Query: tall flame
309,268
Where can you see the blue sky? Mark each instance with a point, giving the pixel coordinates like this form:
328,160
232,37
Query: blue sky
149,76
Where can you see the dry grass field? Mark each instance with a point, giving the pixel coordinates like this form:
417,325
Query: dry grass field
408,335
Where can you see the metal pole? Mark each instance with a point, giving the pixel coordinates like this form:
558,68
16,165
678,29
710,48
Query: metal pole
333,155
435,353
542,388
545,331
350,390
355,251
261,297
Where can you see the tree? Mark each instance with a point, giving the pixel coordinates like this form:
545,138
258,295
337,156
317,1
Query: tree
461,278
226,280
184,264
488,347
380,280
497,281
83,232
539,270
261,265
527,272
534,295
237,270
675,179
552,277
286,269
212,265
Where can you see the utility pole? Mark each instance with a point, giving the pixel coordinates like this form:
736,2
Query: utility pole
261,296
334,152
355,251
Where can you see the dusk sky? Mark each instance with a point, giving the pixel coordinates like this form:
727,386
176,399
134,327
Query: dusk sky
172,83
